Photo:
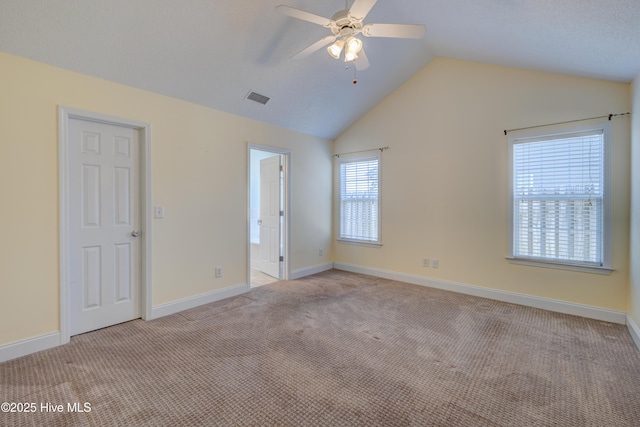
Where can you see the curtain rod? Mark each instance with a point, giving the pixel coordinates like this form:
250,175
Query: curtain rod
381,149
568,121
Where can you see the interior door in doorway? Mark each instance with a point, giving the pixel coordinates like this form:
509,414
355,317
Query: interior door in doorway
104,225
270,216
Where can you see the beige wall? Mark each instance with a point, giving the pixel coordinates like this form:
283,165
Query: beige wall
634,270
444,179
199,166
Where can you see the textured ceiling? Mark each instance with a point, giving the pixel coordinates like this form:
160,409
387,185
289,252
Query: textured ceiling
213,52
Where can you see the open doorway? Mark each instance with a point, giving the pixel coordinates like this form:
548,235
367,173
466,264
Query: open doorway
268,216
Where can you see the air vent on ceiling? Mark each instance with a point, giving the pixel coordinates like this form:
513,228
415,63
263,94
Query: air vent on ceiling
260,99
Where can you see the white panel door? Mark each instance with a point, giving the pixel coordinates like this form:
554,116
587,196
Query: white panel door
104,221
270,216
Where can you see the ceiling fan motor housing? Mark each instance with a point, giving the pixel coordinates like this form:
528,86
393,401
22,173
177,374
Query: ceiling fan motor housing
345,25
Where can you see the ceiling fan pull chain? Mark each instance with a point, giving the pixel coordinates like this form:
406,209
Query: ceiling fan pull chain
355,80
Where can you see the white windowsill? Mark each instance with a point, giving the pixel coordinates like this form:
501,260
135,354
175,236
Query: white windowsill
360,243
560,266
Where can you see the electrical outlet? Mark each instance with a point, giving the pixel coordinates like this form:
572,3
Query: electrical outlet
434,263
321,252
425,262
218,272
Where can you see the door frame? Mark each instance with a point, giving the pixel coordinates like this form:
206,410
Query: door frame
286,198
144,129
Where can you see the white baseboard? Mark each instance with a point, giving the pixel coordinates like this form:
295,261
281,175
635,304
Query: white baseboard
634,331
307,271
505,296
21,348
43,342
197,300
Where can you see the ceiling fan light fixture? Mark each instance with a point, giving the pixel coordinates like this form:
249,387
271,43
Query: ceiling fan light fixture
350,56
354,45
335,49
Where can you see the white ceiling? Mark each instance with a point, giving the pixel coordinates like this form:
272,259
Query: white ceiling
213,52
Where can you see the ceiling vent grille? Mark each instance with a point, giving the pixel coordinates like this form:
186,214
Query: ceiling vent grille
256,97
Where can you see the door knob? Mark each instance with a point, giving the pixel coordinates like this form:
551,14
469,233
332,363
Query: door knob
135,233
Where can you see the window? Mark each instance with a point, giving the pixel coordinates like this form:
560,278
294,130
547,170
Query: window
360,199
559,197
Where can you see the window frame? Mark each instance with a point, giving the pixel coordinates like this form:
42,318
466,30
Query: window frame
520,137
354,158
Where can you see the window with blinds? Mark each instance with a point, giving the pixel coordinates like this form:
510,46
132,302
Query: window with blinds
359,199
559,201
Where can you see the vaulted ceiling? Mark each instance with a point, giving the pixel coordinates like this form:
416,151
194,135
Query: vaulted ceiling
214,52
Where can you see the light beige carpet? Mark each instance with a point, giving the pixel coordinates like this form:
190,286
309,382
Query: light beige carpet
339,349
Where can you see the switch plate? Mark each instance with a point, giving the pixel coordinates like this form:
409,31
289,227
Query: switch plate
218,272
158,211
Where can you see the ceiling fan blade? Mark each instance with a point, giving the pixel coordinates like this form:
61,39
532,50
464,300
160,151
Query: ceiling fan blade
362,63
305,16
316,46
401,31
361,8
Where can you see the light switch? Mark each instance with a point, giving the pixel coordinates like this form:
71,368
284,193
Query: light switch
158,211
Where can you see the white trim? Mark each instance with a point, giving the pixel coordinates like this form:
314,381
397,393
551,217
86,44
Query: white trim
21,348
359,243
634,331
307,271
197,300
560,266
498,295
287,206
607,257
64,115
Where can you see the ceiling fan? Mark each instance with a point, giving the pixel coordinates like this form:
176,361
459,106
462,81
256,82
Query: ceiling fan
345,25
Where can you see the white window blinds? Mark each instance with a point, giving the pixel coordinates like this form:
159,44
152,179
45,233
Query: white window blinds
359,199
558,197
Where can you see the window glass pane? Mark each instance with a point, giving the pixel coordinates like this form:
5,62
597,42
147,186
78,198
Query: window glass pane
558,190
359,199
567,166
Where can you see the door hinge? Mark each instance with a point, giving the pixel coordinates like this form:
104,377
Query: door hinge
281,213
281,168
281,258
